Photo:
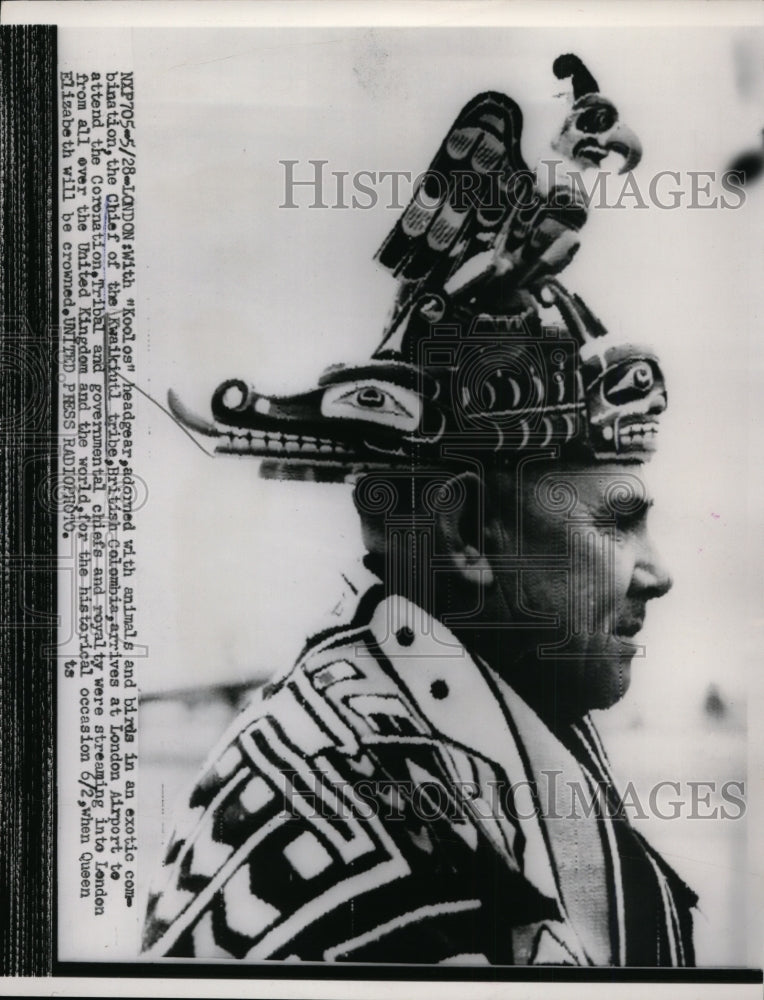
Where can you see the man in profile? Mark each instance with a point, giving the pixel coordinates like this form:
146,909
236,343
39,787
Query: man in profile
410,790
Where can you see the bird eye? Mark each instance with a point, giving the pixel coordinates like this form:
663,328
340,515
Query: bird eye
594,121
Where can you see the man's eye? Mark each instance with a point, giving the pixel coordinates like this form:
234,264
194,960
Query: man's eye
631,522
624,525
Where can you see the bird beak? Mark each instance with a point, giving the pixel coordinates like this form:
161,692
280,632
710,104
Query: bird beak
622,140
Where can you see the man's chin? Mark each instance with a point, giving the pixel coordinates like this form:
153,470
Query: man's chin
599,683
608,681
566,689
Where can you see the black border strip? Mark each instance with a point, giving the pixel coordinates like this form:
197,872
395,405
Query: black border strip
28,465
418,973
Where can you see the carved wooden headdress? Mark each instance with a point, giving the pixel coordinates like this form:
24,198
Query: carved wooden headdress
469,362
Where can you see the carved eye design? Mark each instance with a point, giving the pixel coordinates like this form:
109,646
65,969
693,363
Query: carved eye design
628,381
394,406
432,307
596,120
371,397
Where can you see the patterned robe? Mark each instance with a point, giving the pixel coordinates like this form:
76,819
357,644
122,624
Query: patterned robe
388,800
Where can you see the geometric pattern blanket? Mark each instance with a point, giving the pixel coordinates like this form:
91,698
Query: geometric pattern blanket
388,800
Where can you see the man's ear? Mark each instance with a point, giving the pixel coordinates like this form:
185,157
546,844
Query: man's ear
460,511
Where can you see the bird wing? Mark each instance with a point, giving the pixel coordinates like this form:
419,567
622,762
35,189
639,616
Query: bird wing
462,200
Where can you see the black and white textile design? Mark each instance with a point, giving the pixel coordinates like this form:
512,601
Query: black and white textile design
360,810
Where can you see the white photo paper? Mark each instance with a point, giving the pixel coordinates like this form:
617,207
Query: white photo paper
408,553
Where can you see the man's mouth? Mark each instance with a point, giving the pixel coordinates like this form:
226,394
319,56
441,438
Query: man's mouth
628,629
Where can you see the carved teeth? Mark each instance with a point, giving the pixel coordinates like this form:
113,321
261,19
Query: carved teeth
256,443
638,433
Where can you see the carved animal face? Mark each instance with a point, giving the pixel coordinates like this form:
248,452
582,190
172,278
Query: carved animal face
624,401
593,130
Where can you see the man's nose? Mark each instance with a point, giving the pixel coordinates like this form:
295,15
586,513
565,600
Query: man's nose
651,577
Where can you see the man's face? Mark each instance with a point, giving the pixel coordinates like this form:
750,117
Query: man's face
574,568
